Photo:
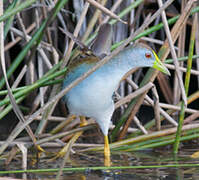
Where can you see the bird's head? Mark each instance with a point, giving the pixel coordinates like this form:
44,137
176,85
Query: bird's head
147,57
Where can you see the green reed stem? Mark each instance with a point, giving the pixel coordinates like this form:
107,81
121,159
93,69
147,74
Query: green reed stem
75,169
133,5
52,82
37,84
162,141
180,59
187,80
10,19
166,142
17,9
51,71
6,110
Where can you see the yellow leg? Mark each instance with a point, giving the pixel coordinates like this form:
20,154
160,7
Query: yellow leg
83,121
107,159
73,139
40,150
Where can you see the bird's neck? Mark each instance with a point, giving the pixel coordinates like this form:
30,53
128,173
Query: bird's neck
123,63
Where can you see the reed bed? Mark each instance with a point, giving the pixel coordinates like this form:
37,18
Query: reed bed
35,53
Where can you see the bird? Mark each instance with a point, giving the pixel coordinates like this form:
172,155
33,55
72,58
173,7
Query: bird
92,97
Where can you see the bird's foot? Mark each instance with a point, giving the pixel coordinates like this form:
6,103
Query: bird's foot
59,154
39,152
107,161
65,151
40,149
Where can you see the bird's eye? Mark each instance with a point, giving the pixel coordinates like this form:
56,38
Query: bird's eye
148,55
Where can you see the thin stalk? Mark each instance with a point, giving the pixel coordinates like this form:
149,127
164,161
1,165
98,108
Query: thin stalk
145,137
163,141
142,143
32,87
84,169
49,83
17,9
187,80
133,5
151,124
93,21
166,142
10,20
6,110
169,61
51,71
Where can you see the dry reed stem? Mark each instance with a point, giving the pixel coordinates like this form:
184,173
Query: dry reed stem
43,45
156,108
51,118
197,43
165,87
191,117
60,135
173,107
18,39
17,81
75,34
113,8
139,125
150,101
194,72
181,46
173,53
3,65
129,97
145,137
92,22
105,10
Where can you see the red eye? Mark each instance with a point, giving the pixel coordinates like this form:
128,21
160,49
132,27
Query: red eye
148,55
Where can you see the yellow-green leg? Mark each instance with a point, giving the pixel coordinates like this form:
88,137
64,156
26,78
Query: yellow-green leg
107,154
66,148
40,150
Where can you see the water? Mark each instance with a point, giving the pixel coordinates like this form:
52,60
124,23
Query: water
159,157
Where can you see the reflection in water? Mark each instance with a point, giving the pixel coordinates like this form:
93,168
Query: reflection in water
119,159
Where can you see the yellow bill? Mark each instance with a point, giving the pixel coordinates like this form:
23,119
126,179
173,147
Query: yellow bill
159,65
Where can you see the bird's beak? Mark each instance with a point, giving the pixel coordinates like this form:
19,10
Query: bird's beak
159,65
